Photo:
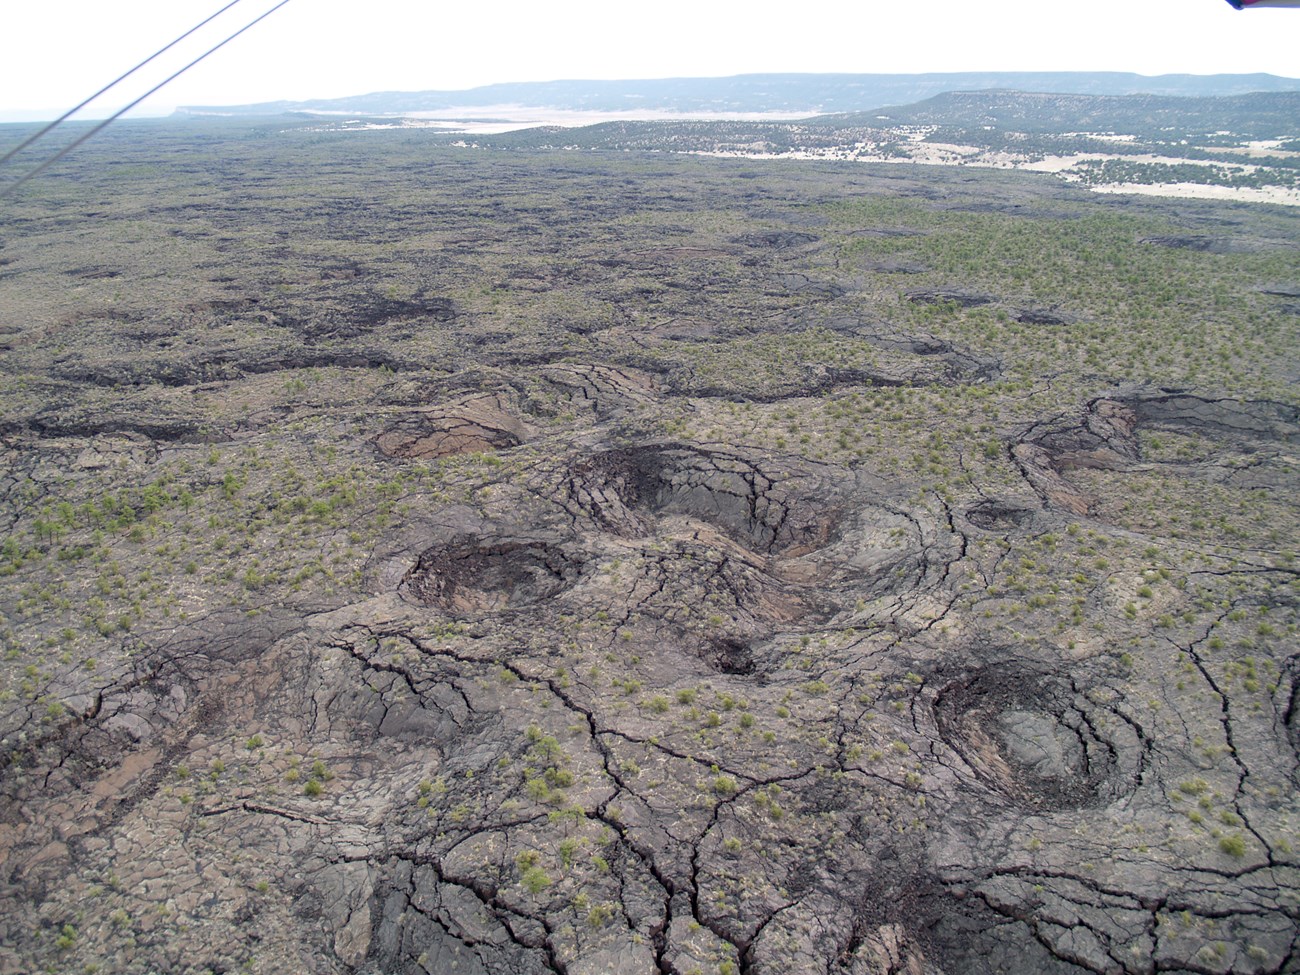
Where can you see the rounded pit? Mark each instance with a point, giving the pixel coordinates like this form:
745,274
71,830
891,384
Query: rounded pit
471,576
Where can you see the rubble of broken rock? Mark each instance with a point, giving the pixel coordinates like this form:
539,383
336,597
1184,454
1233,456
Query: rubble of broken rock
569,563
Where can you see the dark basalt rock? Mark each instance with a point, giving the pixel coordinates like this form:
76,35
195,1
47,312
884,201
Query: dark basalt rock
896,267
620,488
70,423
476,424
778,239
364,313
993,515
1209,245
1042,316
1225,419
530,635
467,576
1036,740
728,656
802,284
965,299
93,273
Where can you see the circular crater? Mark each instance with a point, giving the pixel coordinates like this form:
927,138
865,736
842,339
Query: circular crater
767,511
728,656
470,576
1035,740
993,514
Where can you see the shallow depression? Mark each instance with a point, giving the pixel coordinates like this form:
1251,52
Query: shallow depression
1034,740
469,576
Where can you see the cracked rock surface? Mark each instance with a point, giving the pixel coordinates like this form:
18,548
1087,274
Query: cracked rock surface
568,564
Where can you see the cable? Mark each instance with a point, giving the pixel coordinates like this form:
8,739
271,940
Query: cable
112,84
9,189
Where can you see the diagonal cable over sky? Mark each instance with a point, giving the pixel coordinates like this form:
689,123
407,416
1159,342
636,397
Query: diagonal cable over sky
50,161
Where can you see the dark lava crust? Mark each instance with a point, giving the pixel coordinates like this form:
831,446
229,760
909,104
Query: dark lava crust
422,559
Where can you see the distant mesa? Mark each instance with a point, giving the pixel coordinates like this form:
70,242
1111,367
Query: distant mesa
806,94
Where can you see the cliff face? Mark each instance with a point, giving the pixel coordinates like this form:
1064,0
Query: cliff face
425,560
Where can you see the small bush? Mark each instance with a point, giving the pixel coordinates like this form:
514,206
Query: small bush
1234,845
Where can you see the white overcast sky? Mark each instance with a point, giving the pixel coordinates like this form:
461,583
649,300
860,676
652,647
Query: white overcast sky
57,52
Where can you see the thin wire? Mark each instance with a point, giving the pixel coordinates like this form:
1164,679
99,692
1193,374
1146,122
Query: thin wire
112,84
8,190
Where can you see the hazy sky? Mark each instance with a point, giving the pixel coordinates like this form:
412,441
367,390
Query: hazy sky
54,54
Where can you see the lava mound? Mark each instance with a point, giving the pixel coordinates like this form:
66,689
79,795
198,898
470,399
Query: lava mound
469,576
940,296
1231,420
1035,741
621,489
475,424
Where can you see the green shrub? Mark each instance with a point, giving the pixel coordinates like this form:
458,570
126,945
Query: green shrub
1234,845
